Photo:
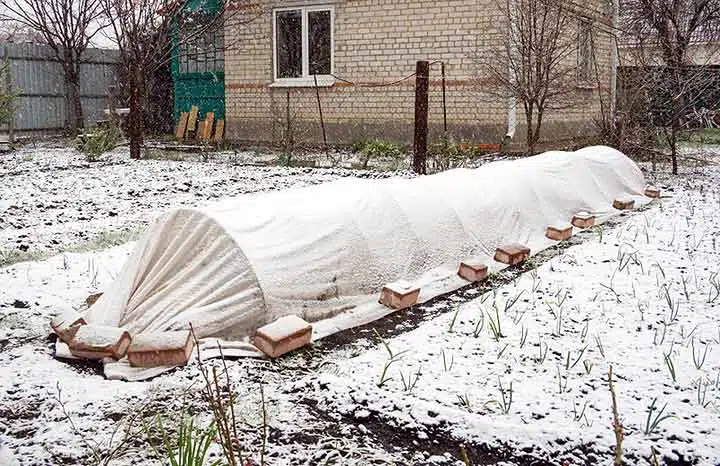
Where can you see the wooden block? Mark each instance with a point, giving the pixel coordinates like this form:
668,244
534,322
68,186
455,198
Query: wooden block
99,342
200,129
583,220
192,120
67,324
623,204
219,130
92,299
558,233
512,254
473,272
652,191
161,349
282,336
207,130
182,125
399,295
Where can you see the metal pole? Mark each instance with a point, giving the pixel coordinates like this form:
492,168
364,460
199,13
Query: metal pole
422,83
322,121
288,129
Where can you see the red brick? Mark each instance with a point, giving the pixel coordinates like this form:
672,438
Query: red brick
583,220
99,342
90,300
66,325
161,349
558,233
652,191
473,272
282,336
623,204
512,254
399,295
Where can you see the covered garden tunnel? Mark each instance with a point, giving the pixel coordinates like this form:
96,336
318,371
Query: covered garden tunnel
324,252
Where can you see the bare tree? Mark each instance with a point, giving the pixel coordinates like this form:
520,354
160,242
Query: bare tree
67,27
149,32
535,63
141,29
661,34
11,31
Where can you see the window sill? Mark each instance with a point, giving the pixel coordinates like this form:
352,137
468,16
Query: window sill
322,81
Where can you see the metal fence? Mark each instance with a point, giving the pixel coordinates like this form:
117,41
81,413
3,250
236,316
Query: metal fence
37,80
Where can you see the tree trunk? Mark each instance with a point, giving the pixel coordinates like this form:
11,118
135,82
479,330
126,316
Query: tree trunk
135,118
676,119
71,75
529,139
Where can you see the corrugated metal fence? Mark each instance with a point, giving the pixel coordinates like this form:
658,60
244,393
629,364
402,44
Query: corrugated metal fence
37,79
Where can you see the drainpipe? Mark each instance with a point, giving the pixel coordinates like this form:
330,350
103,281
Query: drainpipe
511,102
615,58
511,119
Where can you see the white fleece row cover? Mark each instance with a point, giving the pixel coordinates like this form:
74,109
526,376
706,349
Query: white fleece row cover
324,252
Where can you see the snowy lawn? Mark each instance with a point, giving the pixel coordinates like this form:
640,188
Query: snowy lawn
52,199
516,375
526,365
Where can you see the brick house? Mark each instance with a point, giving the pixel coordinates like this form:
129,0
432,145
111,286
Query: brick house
359,51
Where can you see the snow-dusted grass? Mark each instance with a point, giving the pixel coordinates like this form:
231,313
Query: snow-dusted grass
517,373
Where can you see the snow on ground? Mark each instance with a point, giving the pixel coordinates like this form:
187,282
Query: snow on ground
633,295
52,199
642,297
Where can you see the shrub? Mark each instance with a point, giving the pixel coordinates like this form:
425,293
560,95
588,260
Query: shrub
98,141
7,98
381,150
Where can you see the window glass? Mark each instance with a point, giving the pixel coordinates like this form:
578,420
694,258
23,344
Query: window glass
289,43
585,52
201,44
319,42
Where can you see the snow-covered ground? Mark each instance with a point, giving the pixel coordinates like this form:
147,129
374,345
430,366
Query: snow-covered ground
51,199
640,295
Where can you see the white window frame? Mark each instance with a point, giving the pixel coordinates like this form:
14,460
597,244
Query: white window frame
306,80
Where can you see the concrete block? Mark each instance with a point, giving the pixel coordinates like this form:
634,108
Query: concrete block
399,295
652,191
558,233
623,204
66,325
282,336
161,349
512,254
473,272
583,220
100,342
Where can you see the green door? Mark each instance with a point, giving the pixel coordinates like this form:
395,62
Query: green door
198,65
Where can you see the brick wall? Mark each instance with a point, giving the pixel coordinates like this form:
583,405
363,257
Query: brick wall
379,42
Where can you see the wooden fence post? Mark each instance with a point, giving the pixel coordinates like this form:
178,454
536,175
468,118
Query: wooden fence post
422,84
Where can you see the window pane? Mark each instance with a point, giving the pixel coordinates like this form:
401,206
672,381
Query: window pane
585,65
183,59
219,51
289,44
319,37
